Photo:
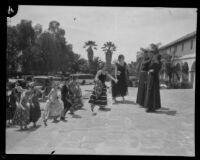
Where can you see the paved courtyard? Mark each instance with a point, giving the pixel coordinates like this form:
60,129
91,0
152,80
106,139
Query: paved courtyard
122,129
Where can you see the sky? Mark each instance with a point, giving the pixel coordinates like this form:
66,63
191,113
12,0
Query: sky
129,28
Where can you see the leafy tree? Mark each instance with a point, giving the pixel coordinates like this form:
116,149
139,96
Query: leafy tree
12,55
95,64
83,65
25,34
132,68
25,40
41,51
168,67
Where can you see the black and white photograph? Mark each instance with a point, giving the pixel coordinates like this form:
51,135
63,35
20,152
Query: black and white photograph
101,80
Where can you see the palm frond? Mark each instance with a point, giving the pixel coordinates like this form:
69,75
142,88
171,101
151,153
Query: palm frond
90,43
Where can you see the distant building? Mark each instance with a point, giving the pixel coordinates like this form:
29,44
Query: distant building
183,51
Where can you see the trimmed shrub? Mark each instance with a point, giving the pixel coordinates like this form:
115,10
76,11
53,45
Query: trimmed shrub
175,85
186,85
180,85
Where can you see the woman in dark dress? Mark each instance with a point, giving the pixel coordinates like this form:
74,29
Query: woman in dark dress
120,89
76,96
22,113
99,96
13,100
35,112
152,99
143,78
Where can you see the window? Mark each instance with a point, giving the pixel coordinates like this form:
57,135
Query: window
175,49
191,44
168,51
182,46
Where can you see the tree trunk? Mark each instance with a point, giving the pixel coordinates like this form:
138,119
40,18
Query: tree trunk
90,55
108,60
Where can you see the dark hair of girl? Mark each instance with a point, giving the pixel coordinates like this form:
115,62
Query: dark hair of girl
120,56
100,65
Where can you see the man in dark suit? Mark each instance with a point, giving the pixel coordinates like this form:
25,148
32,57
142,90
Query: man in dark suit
65,96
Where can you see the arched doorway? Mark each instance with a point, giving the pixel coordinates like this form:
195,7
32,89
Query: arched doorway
193,74
177,72
185,72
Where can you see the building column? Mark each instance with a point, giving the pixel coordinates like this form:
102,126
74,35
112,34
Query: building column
191,77
181,77
181,74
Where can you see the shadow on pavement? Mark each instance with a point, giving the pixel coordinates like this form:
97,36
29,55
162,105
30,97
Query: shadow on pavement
11,126
29,129
163,108
56,121
34,128
105,109
167,112
63,120
127,102
76,116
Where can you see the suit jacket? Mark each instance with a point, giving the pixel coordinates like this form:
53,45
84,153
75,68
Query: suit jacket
64,92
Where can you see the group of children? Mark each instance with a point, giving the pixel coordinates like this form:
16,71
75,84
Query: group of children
62,99
23,107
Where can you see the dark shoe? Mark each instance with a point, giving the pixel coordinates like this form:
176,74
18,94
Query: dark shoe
63,119
141,106
45,122
101,108
55,120
94,114
71,112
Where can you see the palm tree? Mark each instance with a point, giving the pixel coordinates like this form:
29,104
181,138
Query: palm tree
90,45
109,48
53,26
168,67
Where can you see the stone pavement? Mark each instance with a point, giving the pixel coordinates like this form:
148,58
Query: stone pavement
122,129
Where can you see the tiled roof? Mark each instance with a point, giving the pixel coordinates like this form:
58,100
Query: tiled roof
178,40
